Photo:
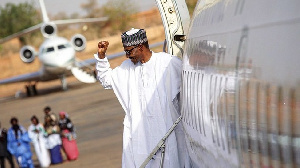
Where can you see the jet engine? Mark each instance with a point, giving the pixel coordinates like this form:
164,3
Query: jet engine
27,54
78,41
48,29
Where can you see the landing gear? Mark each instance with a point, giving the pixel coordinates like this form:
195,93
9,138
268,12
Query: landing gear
31,90
64,82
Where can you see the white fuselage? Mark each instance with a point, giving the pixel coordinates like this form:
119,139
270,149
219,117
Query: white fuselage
240,92
56,55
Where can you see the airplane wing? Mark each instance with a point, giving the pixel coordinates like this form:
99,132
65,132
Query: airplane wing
35,76
93,61
57,22
84,20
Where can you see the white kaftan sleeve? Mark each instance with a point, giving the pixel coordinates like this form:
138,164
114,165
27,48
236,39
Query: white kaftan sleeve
31,134
104,72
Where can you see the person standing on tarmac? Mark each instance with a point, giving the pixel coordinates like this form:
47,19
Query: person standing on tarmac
147,86
19,144
36,132
68,136
4,153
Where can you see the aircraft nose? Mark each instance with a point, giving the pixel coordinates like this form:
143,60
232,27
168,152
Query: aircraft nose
60,59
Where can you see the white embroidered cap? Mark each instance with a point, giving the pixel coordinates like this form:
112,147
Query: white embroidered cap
134,37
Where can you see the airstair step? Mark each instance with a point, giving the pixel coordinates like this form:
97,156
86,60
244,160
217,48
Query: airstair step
83,76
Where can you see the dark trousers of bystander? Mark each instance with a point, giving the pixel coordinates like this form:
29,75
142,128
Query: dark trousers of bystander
10,160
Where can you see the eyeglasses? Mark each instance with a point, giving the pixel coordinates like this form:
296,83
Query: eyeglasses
128,52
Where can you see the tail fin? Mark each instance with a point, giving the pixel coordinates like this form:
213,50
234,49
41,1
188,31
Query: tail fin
44,12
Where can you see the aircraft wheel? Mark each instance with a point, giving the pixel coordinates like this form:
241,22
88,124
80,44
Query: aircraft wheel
28,91
34,90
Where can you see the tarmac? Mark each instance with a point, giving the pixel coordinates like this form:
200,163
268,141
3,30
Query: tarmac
95,112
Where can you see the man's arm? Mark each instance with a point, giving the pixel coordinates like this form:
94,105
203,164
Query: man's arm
102,66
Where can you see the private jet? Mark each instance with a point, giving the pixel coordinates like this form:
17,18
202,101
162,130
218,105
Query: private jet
56,54
240,94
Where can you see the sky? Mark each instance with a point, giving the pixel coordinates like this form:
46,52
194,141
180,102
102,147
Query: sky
73,6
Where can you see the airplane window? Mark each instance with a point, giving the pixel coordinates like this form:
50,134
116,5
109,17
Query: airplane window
50,49
61,46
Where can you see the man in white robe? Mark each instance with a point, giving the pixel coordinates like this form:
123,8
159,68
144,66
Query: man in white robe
36,133
147,86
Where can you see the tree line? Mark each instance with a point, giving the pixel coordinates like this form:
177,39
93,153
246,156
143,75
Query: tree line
17,17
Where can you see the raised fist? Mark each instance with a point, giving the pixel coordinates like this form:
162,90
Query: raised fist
102,47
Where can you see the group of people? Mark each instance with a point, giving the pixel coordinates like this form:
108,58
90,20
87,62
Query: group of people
48,140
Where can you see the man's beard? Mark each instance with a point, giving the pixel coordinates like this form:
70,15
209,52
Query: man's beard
134,60
16,127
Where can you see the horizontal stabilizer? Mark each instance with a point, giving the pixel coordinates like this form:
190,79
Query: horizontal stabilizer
83,76
23,32
56,22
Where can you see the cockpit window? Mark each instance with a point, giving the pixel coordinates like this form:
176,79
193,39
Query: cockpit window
61,46
50,49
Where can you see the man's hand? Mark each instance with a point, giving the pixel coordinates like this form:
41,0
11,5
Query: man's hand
102,47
